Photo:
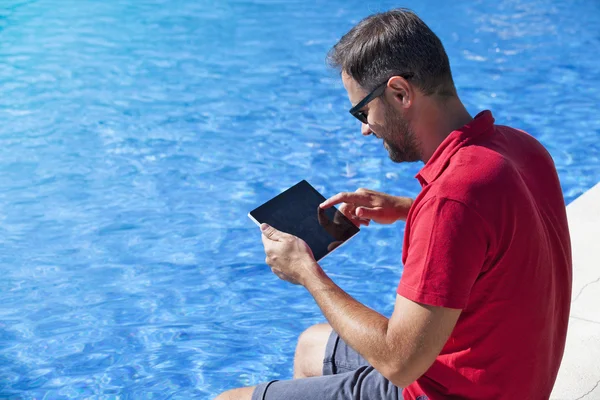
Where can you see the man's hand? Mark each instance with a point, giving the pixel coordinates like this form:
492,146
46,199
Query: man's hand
364,206
289,257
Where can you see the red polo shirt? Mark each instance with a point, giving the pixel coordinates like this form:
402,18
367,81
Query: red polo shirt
488,234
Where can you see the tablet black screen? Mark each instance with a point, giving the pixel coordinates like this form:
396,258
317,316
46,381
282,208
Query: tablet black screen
296,211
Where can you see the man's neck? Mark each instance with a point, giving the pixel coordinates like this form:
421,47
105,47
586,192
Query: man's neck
438,121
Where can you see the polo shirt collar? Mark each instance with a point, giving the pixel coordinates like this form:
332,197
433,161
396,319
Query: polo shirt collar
482,123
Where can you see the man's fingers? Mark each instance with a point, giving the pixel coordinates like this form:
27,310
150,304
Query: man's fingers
271,233
343,197
368,213
347,210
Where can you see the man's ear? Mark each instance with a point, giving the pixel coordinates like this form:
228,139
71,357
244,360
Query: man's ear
401,90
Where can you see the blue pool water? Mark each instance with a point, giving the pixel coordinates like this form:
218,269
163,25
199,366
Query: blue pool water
135,135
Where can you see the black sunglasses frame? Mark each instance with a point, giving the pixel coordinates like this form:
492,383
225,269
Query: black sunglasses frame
375,93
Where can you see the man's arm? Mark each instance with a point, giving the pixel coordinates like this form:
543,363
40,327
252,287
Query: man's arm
401,348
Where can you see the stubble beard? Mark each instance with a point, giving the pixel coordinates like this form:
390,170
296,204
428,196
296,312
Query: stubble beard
400,141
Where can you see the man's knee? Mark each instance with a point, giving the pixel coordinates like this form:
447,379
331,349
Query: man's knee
310,351
237,394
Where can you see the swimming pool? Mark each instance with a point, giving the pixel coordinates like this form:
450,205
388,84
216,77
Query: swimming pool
136,135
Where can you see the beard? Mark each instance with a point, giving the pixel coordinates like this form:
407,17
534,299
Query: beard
399,140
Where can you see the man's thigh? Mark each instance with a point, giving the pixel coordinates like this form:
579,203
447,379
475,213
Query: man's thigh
346,375
365,383
340,358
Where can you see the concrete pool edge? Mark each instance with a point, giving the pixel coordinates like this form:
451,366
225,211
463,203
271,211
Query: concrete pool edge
579,375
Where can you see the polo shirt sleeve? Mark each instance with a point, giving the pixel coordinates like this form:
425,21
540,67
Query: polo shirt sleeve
445,249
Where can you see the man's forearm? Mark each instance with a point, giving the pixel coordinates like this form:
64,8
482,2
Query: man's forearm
364,329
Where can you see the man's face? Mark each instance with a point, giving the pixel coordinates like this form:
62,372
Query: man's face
386,123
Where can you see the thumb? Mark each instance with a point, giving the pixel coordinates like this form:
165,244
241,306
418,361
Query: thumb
270,232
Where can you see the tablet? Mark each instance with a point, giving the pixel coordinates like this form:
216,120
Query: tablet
296,211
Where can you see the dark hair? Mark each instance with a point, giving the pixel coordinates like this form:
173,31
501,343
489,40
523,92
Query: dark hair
392,43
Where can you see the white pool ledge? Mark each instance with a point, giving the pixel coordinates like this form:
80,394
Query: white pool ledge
579,375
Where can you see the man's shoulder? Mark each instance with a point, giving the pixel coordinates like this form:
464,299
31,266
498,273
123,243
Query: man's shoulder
496,162
475,173
496,169
478,177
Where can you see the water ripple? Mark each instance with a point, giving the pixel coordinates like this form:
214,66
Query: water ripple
136,135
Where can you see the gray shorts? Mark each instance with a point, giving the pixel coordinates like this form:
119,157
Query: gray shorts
346,375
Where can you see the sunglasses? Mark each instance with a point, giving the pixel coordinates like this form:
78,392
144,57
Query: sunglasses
378,91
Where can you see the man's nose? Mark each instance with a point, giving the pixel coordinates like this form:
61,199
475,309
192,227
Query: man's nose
366,130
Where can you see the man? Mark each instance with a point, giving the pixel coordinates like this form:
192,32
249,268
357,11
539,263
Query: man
482,306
